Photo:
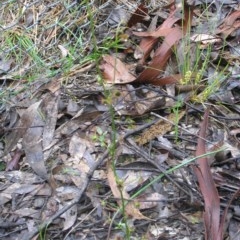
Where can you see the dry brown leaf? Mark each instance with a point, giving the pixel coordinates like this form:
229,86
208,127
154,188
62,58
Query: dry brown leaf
68,128
5,64
23,177
149,100
164,52
115,71
28,212
25,122
16,188
70,217
166,80
81,160
50,110
6,194
230,24
130,208
161,57
32,144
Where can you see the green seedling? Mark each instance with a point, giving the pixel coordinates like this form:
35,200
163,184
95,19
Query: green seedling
175,110
100,137
125,228
43,233
2,166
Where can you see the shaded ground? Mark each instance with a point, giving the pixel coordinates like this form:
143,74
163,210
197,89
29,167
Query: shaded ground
101,107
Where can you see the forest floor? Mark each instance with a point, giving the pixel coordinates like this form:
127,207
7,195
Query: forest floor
120,119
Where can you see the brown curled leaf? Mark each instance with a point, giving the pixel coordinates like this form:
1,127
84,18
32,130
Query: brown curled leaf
207,187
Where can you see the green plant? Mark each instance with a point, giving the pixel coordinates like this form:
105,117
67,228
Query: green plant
194,59
175,110
124,226
2,166
22,47
43,233
100,137
210,88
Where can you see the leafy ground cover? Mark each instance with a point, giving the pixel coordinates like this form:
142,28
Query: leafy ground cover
119,119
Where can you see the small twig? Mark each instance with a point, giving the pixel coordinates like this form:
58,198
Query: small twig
8,225
111,223
11,233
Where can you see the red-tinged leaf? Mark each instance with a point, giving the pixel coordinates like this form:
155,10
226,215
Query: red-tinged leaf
147,43
207,187
166,80
224,217
115,71
145,47
228,21
160,60
228,30
138,15
163,53
230,24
